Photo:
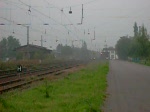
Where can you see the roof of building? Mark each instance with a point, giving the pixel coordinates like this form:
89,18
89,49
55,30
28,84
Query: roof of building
33,46
109,49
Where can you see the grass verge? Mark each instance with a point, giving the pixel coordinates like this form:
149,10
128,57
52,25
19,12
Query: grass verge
83,91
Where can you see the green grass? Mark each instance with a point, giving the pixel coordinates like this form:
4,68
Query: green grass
145,62
83,91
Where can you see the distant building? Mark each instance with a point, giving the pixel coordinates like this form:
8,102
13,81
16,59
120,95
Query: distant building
33,51
112,53
108,53
56,54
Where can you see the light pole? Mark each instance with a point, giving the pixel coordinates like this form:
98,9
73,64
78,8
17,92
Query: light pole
41,41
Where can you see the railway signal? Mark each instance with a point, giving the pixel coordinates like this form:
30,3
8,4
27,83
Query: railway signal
19,68
70,12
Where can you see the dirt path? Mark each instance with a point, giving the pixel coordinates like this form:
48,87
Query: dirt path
128,88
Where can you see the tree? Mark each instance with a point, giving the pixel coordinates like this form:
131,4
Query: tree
135,47
135,29
59,47
84,45
3,48
7,46
84,51
144,44
66,51
122,47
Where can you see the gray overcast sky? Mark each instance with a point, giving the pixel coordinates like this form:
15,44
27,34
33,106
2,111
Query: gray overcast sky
111,19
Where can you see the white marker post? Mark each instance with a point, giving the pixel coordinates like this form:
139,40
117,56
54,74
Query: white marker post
19,69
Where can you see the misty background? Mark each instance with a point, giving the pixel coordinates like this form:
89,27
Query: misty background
110,19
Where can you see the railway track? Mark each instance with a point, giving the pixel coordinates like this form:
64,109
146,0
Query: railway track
17,80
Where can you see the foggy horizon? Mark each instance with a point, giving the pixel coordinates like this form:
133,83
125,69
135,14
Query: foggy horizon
111,20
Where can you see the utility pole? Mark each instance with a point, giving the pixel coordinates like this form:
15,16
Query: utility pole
82,15
27,35
105,45
72,44
41,41
94,33
28,54
66,42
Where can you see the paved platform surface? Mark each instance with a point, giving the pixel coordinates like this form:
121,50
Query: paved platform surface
128,88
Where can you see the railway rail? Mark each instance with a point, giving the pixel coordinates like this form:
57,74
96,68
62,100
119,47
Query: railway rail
11,79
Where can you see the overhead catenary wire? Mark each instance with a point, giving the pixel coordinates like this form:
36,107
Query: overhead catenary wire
12,21
76,31
24,25
48,16
85,3
16,33
71,23
38,12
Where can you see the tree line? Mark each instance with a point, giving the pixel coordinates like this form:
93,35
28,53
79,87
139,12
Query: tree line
135,47
8,45
71,52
